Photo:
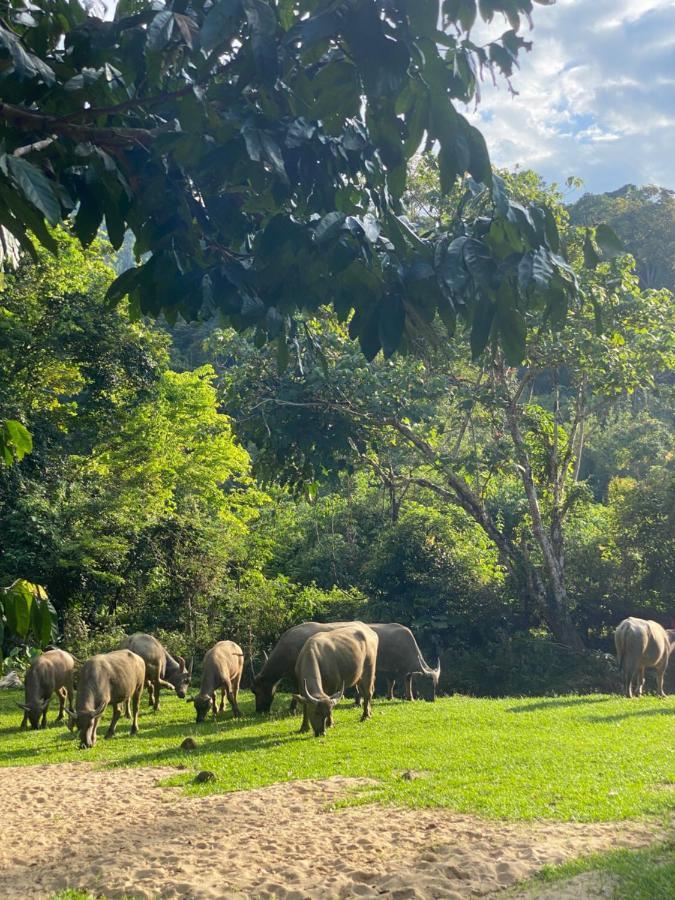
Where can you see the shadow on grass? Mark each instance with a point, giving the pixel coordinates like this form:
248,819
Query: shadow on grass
227,745
632,714
558,702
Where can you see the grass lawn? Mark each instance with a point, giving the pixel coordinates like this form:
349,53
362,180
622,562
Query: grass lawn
636,874
591,758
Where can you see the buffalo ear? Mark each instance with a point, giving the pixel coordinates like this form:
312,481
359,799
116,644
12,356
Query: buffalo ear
181,662
99,710
71,714
189,699
299,698
22,706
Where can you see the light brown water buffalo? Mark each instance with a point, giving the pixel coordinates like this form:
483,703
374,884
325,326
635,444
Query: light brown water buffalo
642,644
281,661
399,657
329,662
161,669
223,665
113,678
50,673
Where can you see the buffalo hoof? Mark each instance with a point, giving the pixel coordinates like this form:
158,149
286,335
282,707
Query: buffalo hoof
134,730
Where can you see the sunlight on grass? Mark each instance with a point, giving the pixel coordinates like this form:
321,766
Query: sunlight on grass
591,758
635,874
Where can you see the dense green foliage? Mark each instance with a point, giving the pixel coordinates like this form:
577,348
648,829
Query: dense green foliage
644,219
259,150
183,482
593,758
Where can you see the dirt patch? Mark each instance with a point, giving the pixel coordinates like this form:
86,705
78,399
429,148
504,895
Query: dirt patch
114,832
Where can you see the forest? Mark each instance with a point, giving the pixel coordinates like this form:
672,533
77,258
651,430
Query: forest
510,502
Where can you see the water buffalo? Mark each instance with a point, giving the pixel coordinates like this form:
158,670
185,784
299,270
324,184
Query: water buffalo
161,669
329,662
642,644
398,656
114,678
281,661
223,665
51,672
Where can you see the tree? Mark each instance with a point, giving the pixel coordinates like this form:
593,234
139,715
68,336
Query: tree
502,441
644,219
258,152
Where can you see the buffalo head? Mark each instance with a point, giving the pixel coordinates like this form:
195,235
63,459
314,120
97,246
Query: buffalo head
202,704
85,721
34,713
180,680
264,693
319,709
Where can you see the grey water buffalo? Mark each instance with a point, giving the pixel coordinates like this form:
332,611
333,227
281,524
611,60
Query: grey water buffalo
329,662
399,657
161,669
108,678
281,661
642,644
222,668
50,673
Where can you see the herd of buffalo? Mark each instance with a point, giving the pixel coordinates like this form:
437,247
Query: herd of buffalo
323,659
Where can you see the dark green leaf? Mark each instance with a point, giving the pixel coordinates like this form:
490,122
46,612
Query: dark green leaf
608,242
219,24
391,324
482,326
36,187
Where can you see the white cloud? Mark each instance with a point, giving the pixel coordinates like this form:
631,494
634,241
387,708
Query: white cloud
596,95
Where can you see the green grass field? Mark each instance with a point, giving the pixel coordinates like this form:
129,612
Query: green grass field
590,758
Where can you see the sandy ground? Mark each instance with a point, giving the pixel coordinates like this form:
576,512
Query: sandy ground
114,832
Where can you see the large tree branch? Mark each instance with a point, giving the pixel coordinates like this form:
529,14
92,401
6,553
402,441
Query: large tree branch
29,120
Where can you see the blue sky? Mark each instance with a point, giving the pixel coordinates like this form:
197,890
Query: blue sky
596,95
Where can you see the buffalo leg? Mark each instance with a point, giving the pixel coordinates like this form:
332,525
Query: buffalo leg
127,709
408,693
357,696
641,682
135,705
367,689
225,690
391,682
660,675
232,697
24,721
69,692
305,719
62,702
293,708
43,723
214,705
155,704
117,712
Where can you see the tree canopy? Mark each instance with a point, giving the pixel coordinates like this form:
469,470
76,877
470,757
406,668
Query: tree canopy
258,152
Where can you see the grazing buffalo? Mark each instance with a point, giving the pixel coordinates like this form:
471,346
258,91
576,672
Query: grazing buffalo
329,662
223,665
281,661
51,672
161,669
642,644
398,656
114,678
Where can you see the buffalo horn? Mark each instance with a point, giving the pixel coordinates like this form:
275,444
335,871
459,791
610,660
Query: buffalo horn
307,694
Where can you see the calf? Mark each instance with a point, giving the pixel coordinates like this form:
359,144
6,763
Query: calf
328,663
51,672
113,678
642,644
223,665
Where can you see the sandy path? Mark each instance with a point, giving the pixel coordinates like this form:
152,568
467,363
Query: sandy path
115,832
